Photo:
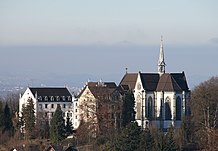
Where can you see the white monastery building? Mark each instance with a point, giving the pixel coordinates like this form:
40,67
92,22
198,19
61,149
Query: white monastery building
161,99
46,99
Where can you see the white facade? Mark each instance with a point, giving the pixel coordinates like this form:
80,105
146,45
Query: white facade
161,99
150,104
47,103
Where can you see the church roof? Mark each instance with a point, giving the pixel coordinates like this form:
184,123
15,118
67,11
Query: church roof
172,82
157,82
129,81
149,81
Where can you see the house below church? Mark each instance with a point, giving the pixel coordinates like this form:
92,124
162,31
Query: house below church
100,105
46,99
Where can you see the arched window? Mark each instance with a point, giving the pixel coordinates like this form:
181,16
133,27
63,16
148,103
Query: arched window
167,104
150,108
178,108
138,108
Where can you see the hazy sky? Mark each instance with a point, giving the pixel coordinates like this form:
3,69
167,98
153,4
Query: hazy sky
103,37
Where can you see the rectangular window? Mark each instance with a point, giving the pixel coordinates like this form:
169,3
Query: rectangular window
75,110
52,106
76,117
46,106
64,106
112,115
40,106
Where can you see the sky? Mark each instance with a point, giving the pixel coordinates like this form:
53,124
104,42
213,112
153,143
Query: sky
71,41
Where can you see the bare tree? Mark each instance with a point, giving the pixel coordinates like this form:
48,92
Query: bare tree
204,107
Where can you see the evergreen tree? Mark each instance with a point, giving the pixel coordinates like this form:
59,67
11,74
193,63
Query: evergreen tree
29,117
128,111
57,128
7,120
129,139
170,144
69,128
147,140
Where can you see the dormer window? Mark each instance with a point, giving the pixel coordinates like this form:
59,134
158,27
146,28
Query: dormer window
57,98
52,98
63,98
69,98
40,98
46,98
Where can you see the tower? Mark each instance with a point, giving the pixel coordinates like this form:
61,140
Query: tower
161,63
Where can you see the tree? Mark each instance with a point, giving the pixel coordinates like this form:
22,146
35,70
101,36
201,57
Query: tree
57,128
1,113
170,144
13,104
129,139
29,118
7,121
42,126
147,140
128,111
69,127
204,109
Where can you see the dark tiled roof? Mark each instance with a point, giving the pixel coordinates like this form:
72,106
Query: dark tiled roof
99,91
100,88
181,80
149,81
155,82
172,82
129,80
51,91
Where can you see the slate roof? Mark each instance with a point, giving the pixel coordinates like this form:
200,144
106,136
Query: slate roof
129,80
100,89
149,81
50,91
155,82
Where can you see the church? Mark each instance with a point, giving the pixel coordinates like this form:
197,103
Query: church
161,99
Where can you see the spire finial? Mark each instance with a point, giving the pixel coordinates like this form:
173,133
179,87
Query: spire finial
126,70
161,63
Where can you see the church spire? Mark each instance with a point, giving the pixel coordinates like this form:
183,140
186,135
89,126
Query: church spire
161,63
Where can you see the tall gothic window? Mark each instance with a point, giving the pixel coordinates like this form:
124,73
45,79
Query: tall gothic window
150,108
178,108
167,104
138,108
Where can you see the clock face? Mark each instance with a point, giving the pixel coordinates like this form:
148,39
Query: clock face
138,86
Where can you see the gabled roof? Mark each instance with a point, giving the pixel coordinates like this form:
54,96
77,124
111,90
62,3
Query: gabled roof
172,82
100,88
156,82
129,80
50,91
149,81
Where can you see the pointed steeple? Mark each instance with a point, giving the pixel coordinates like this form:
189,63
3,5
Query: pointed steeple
161,63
